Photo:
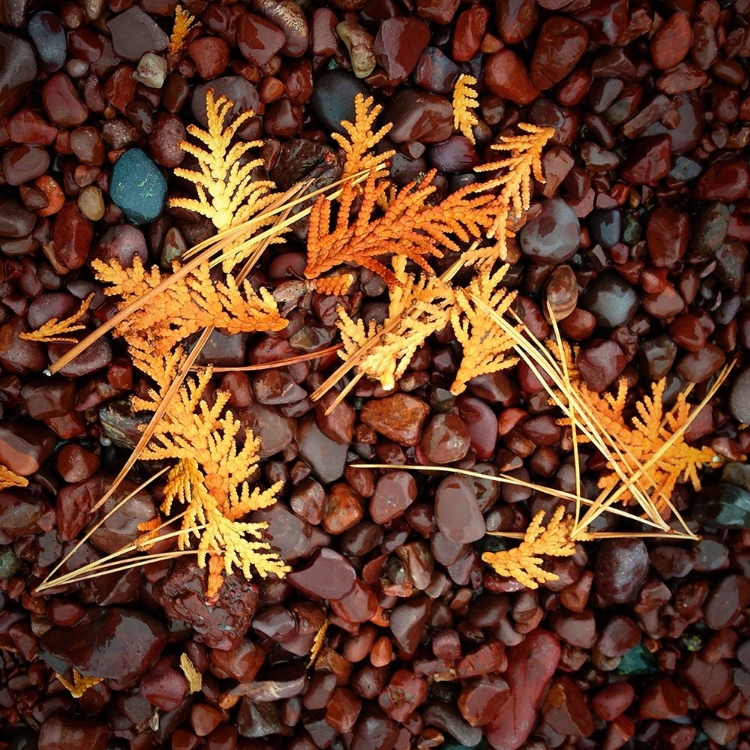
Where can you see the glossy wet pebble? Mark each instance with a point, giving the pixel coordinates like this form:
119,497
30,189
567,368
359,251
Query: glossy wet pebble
553,236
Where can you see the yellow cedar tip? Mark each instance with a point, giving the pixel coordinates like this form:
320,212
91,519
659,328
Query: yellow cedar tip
183,22
464,101
80,684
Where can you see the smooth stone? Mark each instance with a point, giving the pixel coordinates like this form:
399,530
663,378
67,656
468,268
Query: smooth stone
326,457
258,39
565,709
649,160
399,417
407,623
333,96
24,446
553,236
506,76
235,88
457,511
605,226
65,732
515,19
560,45
667,234
21,513
134,33
328,575
137,187
395,491
117,644
611,300
48,35
419,116
531,666
726,601
62,103
398,45
739,397
723,506
600,364
620,570
436,72
18,71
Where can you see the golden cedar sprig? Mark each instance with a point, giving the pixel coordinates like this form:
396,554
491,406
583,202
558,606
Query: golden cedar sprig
9,478
485,346
524,563
464,101
183,22
55,331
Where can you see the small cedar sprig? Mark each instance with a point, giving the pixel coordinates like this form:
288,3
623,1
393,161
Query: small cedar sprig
9,478
464,101
79,684
55,331
189,305
418,307
210,475
485,346
227,192
524,562
183,22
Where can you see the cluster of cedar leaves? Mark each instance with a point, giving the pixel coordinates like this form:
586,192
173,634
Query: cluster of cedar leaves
360,221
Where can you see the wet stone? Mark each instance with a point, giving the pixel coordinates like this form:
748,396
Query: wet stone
407,623
531,666
63,732
326,457
671,43
457,511
565,709
395,491
560,45
663,700
436,72
258,39
24,447
398,45
134,33
48,397
164,685
611,300
649,160
445,439
62,103
328,575
667,235
403,695
724,181
221,625
600,364
137,187
115,643
419,116
505,75
553,236
481,699
20,512
333,97
399,417
236,88
726,601
47,34
605,227
620,570
17,72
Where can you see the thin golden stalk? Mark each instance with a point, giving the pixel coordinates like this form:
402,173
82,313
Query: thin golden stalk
47,583
272,365
507,479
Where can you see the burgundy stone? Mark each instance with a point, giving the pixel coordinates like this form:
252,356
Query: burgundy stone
398,45
560,45
506,76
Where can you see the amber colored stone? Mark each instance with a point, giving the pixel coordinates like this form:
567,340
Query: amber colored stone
506,76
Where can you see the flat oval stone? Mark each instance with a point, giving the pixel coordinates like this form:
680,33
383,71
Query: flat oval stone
17,71
333,97
328,575
137,187
553,236
48,35
419,116
611,300
531,666
505,75
134,33
62,103
621,569
457,511
24,447
116,644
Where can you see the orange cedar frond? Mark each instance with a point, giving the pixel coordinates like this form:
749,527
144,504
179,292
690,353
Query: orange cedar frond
54,330
524,562
9,478
464,101
191,304
150,533
485,345
417,309
525,161
228,194
183,22
335,286
357,148
210,478
644,438
192,675
80,684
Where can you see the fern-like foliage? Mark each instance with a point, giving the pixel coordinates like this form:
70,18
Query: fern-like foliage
228,193
652,438
56,331
418,307
485,345
210,474
524,563
464,101
187,306
183,22
9,478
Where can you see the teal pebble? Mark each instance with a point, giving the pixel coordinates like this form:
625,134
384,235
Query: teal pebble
137,187
638,660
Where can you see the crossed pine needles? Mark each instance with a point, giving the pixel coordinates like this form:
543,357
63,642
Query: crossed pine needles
365,222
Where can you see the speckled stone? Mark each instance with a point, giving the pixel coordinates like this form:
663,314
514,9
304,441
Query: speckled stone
137,187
